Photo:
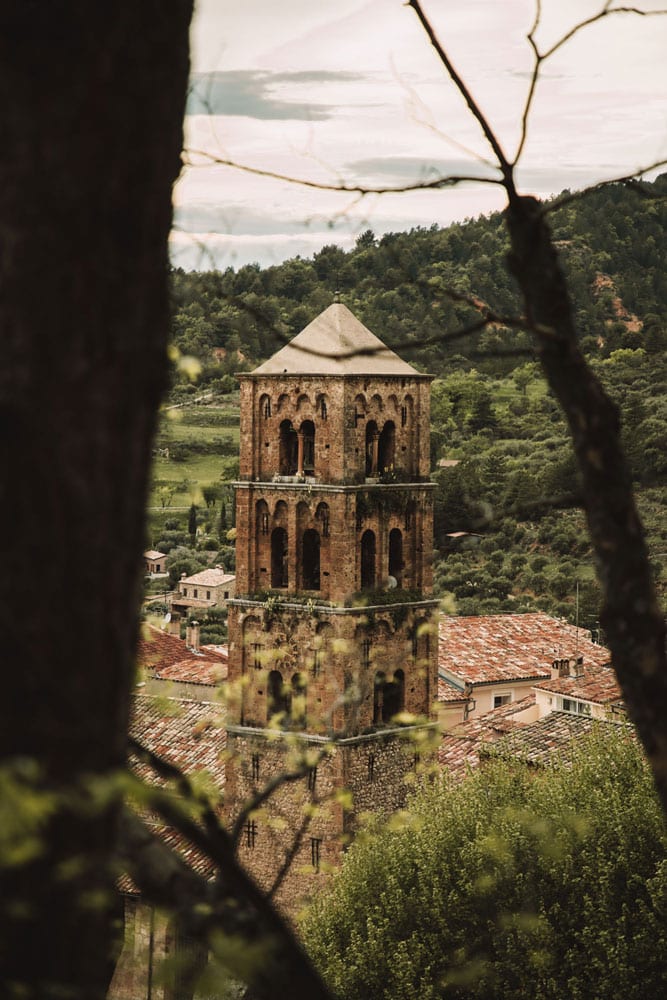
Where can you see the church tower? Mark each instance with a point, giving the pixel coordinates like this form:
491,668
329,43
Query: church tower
332,648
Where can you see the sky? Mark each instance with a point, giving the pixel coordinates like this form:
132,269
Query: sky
352,92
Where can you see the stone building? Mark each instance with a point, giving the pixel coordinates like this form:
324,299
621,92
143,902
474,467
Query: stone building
487,661
332,640
210,588
154,562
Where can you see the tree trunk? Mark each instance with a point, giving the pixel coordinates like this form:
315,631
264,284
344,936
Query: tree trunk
93,100
631,616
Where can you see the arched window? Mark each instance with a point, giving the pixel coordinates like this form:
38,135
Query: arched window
368,560
322,515
308,432
289,449
371,448
388,696
265,406
310,560
262,512
321,647
393,698
298,705
279,573
278,696
386,447
378,692
395,554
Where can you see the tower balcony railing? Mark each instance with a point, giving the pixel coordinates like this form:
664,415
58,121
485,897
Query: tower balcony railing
304,477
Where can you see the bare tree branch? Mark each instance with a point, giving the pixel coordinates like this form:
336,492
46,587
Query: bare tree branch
232,904
533,81
504,164
606,11
288,860
269,789
541,57
631,180
448,180
631,615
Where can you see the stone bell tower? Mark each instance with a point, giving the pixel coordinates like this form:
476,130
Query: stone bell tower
332,641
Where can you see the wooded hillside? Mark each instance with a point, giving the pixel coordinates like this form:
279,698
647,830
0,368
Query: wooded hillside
510,480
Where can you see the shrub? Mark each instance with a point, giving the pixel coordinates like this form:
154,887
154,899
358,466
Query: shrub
508,884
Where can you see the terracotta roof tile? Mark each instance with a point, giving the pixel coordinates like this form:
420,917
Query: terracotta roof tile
188,734
459,749
166,657
447,692
198,862
597,684
546,740
488,649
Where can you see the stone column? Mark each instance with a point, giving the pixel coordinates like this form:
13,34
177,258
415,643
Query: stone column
299,458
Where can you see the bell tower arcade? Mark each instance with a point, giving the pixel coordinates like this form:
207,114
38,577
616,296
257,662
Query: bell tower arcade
332,643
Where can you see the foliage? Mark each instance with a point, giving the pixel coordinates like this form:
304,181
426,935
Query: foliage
511,483
508,884
610,243
183,560
213,625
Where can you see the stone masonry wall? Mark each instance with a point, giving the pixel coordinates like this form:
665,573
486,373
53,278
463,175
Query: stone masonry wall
332,655
340,410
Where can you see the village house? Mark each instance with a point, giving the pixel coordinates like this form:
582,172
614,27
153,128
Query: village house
154,562
579,689
494,660
208,589
180,669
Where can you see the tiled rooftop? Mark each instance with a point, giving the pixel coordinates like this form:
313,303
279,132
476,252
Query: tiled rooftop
166,657
597,684
198,862
488,649
209,578
546,740
336,343
188,734
459,749
154,554
447,692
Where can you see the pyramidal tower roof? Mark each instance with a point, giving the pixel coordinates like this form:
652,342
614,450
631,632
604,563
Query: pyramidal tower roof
336,343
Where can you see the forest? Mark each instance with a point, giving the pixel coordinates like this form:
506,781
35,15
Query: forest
508,532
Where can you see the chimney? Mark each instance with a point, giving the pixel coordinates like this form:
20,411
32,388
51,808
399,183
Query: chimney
192,636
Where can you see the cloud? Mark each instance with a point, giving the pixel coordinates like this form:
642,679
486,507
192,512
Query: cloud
248,93
544,179
215,218
414,169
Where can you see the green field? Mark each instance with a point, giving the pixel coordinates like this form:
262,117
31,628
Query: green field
196,447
